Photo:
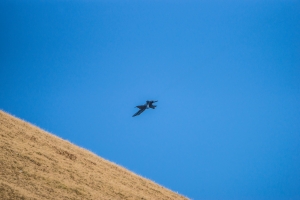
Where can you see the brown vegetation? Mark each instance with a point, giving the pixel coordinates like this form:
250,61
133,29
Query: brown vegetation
35,164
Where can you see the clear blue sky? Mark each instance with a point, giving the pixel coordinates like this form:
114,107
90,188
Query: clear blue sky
226,77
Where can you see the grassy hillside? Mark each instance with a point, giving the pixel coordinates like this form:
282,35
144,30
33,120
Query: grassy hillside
37,165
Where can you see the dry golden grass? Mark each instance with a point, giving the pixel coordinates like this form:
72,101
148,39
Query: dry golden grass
35,164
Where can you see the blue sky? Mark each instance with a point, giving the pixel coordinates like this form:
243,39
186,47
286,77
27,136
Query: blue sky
226,76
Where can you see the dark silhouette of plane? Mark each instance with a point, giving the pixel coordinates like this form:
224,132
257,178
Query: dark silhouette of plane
149,104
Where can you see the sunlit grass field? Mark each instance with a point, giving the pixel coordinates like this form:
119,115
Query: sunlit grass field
35,164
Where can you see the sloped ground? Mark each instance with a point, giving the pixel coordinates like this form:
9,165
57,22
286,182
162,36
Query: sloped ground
37,165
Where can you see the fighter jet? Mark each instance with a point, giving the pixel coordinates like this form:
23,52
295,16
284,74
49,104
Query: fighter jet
149,104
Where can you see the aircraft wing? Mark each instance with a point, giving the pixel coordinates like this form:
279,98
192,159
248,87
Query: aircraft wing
139,112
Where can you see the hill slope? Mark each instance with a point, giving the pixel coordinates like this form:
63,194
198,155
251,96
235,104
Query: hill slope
37,165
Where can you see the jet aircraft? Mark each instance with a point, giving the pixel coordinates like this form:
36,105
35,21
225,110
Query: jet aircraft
149,104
